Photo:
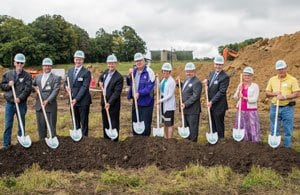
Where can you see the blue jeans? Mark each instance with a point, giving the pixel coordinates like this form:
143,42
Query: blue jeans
10,111
285,117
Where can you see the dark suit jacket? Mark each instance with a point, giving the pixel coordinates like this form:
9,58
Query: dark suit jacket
217,91
113,90
49,92
191,96
80,86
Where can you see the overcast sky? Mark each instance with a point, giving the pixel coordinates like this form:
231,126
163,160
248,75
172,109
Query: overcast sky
198,25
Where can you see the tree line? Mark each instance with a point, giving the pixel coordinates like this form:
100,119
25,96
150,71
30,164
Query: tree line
54,37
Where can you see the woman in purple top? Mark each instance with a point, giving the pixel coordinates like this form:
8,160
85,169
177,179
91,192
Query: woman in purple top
249,92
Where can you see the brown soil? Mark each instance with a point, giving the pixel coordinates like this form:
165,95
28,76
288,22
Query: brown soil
262,57
135,152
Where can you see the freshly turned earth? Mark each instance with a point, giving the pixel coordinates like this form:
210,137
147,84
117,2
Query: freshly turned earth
135,152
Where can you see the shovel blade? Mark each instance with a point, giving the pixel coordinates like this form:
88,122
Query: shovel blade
52,142
158,132
212,138
274,141
238,134
76,134
25,141
184,132
139,127
111,133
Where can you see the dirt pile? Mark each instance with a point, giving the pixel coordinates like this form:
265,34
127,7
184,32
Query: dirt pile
135,152
261,56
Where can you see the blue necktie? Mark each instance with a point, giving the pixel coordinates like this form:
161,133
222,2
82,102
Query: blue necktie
74,75
213,79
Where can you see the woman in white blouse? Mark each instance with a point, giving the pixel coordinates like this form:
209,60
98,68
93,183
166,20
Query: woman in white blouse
168,102
249,92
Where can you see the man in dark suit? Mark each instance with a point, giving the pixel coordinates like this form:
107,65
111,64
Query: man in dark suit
49,85
217,86
112,82
191,92
80,79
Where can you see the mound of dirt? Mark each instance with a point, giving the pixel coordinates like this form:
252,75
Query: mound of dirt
135,152
261,56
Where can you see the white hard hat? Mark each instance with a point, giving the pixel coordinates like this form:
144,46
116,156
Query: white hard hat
79,54
111,58
167,67
189,66
219,60
280,64
47,61
148,56
249,70
20,58
138,56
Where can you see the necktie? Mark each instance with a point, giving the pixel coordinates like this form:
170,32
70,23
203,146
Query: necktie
185,84
74,75
43,82
107,81
213,79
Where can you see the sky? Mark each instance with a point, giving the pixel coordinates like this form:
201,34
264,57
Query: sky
198,25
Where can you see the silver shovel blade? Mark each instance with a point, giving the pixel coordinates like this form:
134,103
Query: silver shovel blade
184,132
212,138
274,141
139,127
238,134
76,134
111,133
52,142
25,141
158,132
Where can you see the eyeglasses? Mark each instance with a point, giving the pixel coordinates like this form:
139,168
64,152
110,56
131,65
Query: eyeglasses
20,62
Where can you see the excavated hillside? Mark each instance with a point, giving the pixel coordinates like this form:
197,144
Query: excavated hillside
261,56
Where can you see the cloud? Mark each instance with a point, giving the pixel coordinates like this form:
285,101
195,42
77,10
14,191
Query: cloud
201,25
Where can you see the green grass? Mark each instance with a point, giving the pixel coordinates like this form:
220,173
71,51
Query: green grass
261,178
194,179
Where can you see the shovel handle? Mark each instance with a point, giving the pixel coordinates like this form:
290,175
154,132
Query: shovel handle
135,100
276,113
44,112
180,101
240,102
106,109
208,109
71,105
18,111
157,99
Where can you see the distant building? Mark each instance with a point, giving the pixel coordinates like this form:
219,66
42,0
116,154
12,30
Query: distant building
166,55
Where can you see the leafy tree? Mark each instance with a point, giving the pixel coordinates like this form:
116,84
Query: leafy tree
15,37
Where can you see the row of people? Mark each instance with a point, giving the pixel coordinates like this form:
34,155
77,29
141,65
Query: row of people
281,87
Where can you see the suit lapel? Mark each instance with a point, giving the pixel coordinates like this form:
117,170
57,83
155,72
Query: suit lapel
49,79
189,82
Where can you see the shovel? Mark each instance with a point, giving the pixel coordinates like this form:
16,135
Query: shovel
211,137
273,140
183,131
76,134
238,134
25,141
158,131
111,133
138,126
52,142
